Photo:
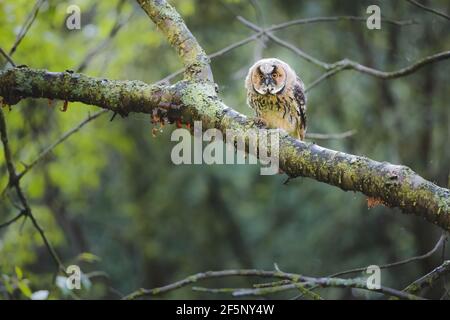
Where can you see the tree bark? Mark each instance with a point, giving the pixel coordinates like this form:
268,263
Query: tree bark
195,98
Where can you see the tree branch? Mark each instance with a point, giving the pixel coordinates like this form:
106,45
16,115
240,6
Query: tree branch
121,97
336,19
180,38
429,279
347,64
61,139
117,26
27,25
283,26
215,55
11,221
15,183
7,57
438,244
298,282
441,14
325,283
394,185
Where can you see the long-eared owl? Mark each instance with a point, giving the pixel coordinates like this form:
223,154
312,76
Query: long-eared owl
277,95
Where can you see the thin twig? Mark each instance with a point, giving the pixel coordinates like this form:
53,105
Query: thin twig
304,291
326,283
443,257
7,223
285,44
398,263
336,19
14,182
439,243
215,54
282,26
346,64
323,77
117,26
27,25
296,279
429,279
61,139
211,274
439,13
7,57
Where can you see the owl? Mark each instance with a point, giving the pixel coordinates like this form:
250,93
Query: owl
277,95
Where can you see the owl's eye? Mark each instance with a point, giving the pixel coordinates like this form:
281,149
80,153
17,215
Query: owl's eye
274,75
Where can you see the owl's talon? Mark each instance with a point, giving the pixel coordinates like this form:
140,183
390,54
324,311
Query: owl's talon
179,124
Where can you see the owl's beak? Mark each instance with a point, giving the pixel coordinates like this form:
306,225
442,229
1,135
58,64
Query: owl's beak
267,81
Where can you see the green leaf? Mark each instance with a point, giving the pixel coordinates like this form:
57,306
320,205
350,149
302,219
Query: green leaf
88,257
19,273
26,291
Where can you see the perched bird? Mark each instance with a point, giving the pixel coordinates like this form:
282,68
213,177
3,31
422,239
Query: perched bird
278,96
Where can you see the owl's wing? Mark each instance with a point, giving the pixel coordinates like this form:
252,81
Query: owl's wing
300,98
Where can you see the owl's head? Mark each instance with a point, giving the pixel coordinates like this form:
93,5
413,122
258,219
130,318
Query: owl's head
268,76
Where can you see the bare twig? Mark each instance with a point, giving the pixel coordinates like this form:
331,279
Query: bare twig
398,263
325,283
438,244
296,279
282,26
27,25
215,54
14,182
117,26
323,77
207,275
439,13
7,57
346,64
443,257
7,223
336,19
27,212
429,279
61,139
181,39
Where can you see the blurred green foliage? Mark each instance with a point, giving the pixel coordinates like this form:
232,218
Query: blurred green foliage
111,201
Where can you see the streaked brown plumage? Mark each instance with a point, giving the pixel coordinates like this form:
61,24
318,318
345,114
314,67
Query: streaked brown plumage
278,96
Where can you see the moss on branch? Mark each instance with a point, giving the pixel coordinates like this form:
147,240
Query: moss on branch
395,185
180,38
118,96
195,99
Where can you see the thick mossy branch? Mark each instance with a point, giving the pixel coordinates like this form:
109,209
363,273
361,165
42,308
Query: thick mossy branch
181,39
118,96
393,185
